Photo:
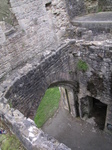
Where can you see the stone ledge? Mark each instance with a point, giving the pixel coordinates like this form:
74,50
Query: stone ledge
25,129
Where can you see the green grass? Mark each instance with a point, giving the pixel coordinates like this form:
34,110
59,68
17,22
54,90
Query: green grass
48,106
81,65
10,142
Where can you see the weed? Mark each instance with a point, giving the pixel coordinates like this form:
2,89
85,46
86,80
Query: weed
81,65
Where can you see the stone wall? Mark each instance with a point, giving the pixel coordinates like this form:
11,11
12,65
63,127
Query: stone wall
25,129
32,61
105,5
27,92
75,8
62,69
6,14
60,20
81,7
35,36
96,82
25,86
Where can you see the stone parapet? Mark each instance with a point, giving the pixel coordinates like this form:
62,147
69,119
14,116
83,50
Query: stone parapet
25,129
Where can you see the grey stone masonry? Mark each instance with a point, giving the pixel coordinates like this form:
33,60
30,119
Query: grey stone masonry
75,8
45,50
27,132
37,34
105,5
60,68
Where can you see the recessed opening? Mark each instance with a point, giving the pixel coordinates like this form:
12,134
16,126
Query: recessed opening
109,127
48,106
98,111
48,5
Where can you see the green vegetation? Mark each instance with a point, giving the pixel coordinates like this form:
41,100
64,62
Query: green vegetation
10,142
81,65
99,9
70,72
48,106
6,14
10,104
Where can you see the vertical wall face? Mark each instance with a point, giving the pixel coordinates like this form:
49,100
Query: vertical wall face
28,91
105,5
75,8
62,67
57,11
5,13
64,98
32,39
69,100
108,124
81,7
42,23
85,106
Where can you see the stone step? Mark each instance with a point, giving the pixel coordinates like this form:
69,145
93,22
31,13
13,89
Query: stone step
97,21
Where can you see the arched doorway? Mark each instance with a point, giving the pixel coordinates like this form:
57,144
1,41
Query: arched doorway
56,95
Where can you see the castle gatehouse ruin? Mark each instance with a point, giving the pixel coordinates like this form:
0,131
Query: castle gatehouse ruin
46,43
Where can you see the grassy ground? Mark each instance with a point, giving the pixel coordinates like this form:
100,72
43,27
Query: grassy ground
9,141
48,106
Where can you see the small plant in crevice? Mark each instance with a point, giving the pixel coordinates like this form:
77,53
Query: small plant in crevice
70,71
99,9
10,103
82,65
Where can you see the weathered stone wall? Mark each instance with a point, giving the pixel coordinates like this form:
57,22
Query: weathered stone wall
38,33
96,82
61,69
57,10
31,62
27,92
105,5
34,36
6,14
75,8
27,132
81,7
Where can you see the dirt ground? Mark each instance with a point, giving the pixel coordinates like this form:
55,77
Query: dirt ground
77,134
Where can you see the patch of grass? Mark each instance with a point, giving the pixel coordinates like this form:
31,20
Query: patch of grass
48,106
99,9
81,65
9,141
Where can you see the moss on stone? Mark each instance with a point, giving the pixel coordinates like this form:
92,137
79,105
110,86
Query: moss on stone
82,65
5,13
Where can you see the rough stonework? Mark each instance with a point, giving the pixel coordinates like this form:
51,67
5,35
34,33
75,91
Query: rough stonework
75,8
46,50
60,20
105,5
26,130
6,14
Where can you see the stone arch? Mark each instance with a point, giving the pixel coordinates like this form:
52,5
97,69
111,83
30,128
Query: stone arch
27,92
